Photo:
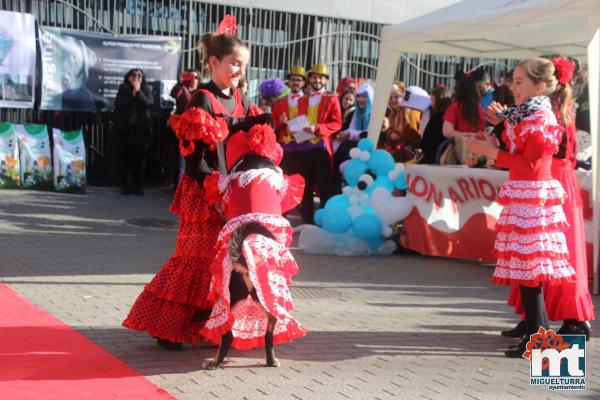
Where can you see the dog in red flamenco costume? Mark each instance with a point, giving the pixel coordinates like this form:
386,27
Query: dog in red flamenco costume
253,267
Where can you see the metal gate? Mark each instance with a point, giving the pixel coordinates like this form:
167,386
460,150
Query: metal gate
276,40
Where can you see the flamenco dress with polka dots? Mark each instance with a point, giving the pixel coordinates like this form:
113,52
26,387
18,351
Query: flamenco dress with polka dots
530,244
174,305
569,301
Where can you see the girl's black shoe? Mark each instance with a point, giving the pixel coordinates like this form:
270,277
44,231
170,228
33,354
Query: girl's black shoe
573,327
518,350
517,331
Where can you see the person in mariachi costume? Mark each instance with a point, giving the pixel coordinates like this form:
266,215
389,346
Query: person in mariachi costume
569,302
530,244
313,158
174,305
253,267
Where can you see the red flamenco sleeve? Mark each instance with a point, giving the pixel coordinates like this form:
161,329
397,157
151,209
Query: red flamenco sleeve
197,124
293,192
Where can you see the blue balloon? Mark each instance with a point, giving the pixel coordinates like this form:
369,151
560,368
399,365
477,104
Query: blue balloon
367,227
384,182
354,169
375,243
336,220
319,217
365,145
401,182
381,162
338,201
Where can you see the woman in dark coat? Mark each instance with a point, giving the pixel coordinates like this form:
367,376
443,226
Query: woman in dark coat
134,126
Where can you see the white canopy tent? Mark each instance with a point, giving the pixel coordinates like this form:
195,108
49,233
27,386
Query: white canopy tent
513,29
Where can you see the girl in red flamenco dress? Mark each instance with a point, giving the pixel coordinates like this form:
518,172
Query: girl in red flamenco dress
530,244
570,301
253,266
174,305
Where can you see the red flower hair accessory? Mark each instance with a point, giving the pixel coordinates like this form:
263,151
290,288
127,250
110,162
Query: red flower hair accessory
228,26
197,124
563,70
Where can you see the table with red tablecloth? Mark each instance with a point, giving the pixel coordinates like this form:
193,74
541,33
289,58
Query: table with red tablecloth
455,211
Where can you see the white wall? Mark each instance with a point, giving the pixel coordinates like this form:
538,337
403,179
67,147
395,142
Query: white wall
380,11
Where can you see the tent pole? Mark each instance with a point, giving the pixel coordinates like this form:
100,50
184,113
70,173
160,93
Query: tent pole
386,70
594,90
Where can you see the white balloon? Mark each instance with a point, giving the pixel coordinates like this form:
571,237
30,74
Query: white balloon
355,152
388,208
355,211
364,155
386,231
347,190
399,167
387,248
353,200
393,175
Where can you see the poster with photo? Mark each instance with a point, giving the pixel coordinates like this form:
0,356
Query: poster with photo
82,71
17,59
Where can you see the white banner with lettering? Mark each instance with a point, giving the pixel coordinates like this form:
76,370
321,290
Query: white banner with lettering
455,212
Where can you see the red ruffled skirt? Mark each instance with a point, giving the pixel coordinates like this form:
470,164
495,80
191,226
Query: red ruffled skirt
569,300
181,287
271,267
530,243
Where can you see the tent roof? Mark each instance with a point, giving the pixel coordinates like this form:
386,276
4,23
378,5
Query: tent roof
497,28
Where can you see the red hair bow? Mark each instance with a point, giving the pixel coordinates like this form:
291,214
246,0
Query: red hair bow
228,26
563,70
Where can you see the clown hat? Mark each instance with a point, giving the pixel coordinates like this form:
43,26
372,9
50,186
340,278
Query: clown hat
260,140
320,69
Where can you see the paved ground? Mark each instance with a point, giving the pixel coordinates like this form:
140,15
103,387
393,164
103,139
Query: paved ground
401,327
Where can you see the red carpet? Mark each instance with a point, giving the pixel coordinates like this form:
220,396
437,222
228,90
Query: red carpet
42,358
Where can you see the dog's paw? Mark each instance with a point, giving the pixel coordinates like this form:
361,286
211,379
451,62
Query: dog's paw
273,363
211,365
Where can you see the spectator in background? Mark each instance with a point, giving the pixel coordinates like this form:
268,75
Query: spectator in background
347,139
464,118
347,84
483,82
265,104
182,93
134,125
433,135
402,137
243,86
271,89
504,96
348,106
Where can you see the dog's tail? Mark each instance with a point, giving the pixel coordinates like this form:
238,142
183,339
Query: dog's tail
237,240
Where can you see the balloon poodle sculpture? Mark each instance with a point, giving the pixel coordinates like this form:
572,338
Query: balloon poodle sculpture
359,221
